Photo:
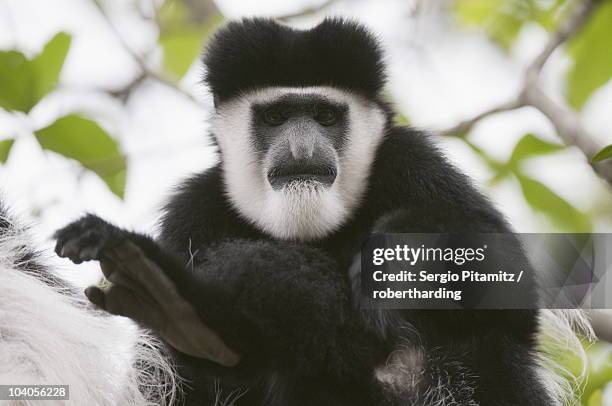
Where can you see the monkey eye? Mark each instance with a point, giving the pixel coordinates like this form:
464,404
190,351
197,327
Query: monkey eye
273,117
326,117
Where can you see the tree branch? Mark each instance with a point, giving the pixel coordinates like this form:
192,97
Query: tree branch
200,9
567,29
461,129
565,120
569,128
145,73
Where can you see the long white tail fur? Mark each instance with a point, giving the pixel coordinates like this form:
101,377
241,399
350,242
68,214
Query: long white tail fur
51,335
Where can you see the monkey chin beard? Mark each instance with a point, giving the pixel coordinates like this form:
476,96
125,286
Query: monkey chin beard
303,210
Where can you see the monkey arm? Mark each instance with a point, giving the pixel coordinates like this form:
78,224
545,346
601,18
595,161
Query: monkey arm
280,304
277,304
140,288
142,292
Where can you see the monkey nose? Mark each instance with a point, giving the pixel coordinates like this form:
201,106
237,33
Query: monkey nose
302,147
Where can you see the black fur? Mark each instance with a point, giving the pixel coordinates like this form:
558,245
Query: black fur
313,328
256,53
291,309
6,224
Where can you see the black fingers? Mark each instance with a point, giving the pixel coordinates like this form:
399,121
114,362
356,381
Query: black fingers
86,239
142,291
96,296
123,301
116,274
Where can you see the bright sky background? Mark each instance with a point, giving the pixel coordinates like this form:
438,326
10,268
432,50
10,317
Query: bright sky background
439,75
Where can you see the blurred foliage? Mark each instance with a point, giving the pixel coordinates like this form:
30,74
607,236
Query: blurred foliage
25,81
539,196
605,153
590,55
84,140
502,20
5,148
599,373
181,38
598,370
562,214
401,119
530,146
591,52
591,67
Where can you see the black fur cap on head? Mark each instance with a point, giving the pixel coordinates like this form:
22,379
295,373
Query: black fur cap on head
255,53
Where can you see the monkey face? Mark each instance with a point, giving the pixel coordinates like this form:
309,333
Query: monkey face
299,138
296,160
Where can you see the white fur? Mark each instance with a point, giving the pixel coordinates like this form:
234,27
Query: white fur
560,332
305,211
51,337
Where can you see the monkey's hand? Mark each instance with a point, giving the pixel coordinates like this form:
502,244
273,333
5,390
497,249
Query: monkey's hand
140,288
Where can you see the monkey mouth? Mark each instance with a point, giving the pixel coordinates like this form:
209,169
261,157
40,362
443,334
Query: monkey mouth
296,173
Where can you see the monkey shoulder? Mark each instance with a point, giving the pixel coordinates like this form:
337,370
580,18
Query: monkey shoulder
412,176
199,213
409,163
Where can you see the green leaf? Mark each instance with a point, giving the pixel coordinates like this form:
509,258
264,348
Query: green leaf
530,146
180,38
24,82
477,11
548,16
600,371
492,163
180,51
500,170
494,16
401,119
5,148
592,55
562,214
595,398
604,154
48,64
502,20
79,138
16,91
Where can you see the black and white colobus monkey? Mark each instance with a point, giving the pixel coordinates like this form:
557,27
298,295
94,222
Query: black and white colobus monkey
264,246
